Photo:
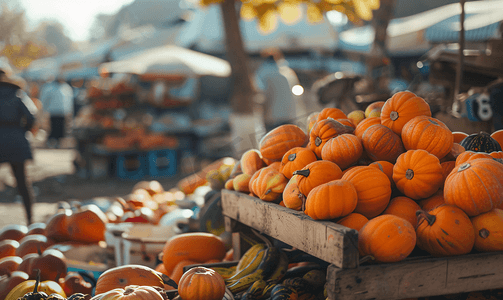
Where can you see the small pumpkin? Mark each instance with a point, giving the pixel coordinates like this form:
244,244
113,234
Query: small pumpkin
432,202
344,150
403,207
87,224
281,139
417,174
387,238
380,143
346,122
386,167
178,269
322,131
251,161
497,154
292,197
373,188
427,133
331,200
201,283
331,112
34,289
241,183
268,184
354,221
374,105
456,150
296,159
458,136
470,155
8,248
480,142
447,168
498,136
445,231
363,125
132,292
401,108
9,264
316,173
13,232
489,231
475,186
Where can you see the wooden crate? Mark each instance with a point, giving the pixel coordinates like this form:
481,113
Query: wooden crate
338,245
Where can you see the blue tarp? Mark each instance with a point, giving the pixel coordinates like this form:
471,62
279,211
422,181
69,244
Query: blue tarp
447,30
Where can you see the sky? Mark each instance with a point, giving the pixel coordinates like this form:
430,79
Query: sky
77,16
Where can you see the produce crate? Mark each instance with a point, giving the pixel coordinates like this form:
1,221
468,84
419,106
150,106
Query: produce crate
338,245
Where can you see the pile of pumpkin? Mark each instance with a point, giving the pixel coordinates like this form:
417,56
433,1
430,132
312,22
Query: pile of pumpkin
395,174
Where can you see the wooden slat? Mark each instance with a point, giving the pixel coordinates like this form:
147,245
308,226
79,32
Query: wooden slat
417,278
328,241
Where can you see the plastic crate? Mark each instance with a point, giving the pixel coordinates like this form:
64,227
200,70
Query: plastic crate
162,163
131,166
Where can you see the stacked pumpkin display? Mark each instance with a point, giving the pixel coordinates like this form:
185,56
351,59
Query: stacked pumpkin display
394,173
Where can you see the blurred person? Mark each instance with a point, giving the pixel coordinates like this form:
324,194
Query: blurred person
17,116
276,79
57,99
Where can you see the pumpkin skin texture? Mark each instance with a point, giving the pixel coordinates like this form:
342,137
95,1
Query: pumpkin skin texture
475,186
354,221
281,139
373,188
346,122
296,159
447,168
417,174
132,292
366,123
432,202
458,136
497,154
322,131
8,248
49,287
292,197
269,184
88,224
456,150
470,155
480,142
445,231
375,105
331,200
387,238
201,283
386,167
331,112
311,119
403,207
57,226
251,161
380,143
344,150
196,246
241,183
401,108
498,136
429,134
489,231
316,173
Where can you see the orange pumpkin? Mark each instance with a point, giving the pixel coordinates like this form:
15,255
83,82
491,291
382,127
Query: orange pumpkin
346,122
498,136
132,292
417,174
380,143
9,264
13,232
386,167
322,131
34,243
372,106
427,133
241,183
432,202
470,155
373,188
354,221
178,269
197,246
281,139
331,112
331,200
292,197
344,150
456,150
458,136
251,161
401,108
201,283
316,173
403,207
475,186
497,154
8,248
387,238
445,231
229,185
363,125
296,159
447,168
268,184
87,224
489,231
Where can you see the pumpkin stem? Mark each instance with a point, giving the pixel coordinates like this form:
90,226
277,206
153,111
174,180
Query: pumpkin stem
128,291
37,281
464,166
484,233
167,280
409,174
422,215
393,115
292,156
304,172
317,141
268,192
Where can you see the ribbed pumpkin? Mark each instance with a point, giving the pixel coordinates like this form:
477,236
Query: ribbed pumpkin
480,142
8,248
331,200
387,238
201,283
402,107
456,151
346,122
470,155
386,167
380,143
354,221
497,154
432,202
373,188
403,207
177,271
498,136
241,183
132,292
251,161
268,184
311,119
363,125
427,133
331,112
322,131
445,231
344,150
475,186
292,197
316,173
458,136
417,174
296,159
281,139
447,168
489,231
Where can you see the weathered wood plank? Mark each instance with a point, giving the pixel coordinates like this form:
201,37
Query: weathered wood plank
417,278
328,241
